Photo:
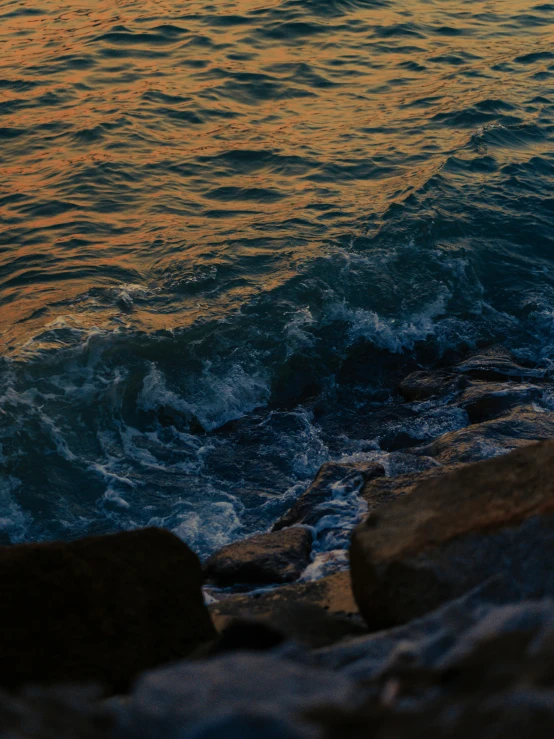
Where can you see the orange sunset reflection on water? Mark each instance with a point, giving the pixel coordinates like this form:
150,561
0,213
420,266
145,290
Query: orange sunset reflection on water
147,144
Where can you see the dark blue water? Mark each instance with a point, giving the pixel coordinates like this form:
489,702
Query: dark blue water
228,230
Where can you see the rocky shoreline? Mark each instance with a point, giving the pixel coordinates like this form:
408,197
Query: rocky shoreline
442,625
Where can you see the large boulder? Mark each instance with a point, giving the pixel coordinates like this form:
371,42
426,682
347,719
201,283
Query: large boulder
100,609
452,532
275,557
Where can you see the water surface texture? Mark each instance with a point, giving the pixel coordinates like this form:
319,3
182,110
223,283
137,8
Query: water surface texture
227,230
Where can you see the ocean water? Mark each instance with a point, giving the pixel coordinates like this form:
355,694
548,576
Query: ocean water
227,230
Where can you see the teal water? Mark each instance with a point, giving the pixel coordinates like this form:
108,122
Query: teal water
227,230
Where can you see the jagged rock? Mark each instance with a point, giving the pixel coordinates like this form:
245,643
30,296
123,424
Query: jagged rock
257,695
310,507
484,401
275,557
99,609
496,363
455,531
522,426
314,613
422,385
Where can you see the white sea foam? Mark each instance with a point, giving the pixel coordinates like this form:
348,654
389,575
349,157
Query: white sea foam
298,337
214,398
204,526
395,335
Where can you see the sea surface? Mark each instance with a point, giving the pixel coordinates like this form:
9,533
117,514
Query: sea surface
227,230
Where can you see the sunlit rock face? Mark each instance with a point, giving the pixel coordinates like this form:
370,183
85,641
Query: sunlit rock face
455,531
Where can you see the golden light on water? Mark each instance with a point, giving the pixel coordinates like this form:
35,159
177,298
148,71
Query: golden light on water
128,111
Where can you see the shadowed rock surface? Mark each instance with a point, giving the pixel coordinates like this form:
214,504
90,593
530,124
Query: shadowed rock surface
99,609
453,532
275,557
54,713
314,613
427,641
229,696
474,669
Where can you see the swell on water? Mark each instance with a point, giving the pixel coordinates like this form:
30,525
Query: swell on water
227,235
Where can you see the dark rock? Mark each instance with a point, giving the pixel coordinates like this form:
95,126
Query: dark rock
99,609
443,636
496,363
66,712
422,385
276,557
518,710
309,508
314,613
484,401
246,634
470,669
258,695
522,426
454,532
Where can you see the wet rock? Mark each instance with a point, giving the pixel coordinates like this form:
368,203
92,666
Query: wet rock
100,609
484,401
422,385
243,695
454,532
496,363
314,613
310,506
275,557
518,428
